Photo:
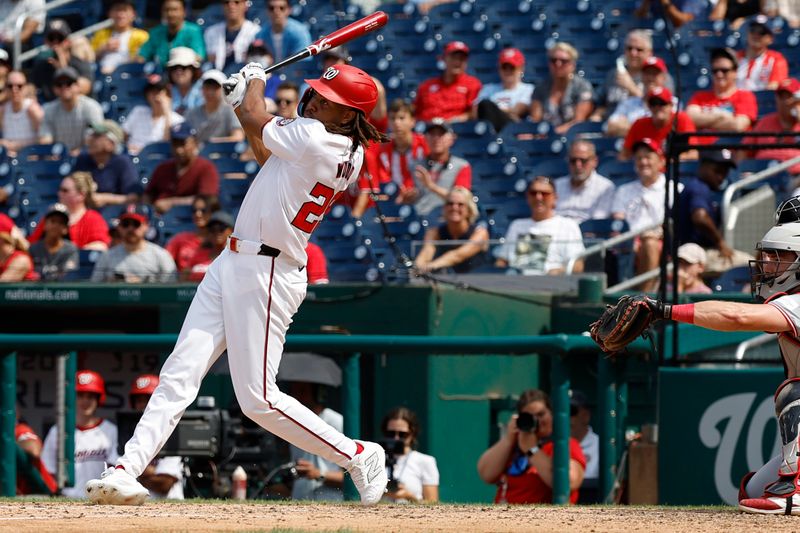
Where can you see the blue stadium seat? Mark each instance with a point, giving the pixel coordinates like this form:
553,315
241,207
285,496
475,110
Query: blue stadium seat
553,168
154,151
86,262
735,279
618,262
229,168
473,129
617,171
33,152
232,192
223,150
31,173
586,130
526,129
766,102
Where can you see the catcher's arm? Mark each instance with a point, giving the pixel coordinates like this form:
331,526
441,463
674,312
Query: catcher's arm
735,316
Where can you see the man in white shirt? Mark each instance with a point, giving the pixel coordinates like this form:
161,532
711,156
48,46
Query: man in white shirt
545,242
583,194
227,41
641,203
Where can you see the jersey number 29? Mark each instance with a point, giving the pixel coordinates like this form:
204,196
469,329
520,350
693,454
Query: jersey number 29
311,212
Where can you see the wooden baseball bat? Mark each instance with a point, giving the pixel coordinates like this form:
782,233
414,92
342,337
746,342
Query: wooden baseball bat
339,37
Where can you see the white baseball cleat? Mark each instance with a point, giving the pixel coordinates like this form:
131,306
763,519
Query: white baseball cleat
368,471
116,487
771,505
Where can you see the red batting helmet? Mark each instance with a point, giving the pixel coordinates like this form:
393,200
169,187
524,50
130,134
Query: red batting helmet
143,385
346,85
91,381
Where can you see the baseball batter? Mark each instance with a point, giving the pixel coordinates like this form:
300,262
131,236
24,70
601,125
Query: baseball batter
247,299
95,438
775,280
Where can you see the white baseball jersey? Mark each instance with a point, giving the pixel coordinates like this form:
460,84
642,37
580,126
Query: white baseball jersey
292,191
95,447
789,341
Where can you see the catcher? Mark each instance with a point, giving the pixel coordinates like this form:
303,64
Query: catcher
775,281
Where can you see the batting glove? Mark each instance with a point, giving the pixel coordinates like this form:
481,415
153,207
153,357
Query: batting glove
254,71
234,89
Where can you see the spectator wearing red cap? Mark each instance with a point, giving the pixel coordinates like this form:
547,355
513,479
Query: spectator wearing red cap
563,99
178,180
785,119
653,74
451,95
136,260
657,126
509,100
759,67
95,438
725,107
627,79
641,204
87,227
394,161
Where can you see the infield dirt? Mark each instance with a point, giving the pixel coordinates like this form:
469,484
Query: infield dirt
195,517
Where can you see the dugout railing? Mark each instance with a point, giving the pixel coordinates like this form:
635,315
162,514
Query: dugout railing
556,346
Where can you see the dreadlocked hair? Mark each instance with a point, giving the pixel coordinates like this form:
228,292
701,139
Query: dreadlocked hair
360,131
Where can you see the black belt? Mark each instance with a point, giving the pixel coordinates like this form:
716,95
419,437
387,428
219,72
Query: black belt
269,251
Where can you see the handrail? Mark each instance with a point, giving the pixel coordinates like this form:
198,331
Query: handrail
760,340
608,243
33,52
733,188
20,20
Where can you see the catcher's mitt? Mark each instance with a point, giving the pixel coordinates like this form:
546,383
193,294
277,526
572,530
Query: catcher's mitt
621,323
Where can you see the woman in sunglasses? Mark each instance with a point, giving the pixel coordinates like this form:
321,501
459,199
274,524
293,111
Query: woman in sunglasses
521,462
564,98
413,476
182,246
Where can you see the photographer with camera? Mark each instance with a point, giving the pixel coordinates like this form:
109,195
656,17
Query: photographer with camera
413,476
521,462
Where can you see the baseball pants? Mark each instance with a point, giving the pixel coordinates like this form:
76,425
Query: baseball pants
245,303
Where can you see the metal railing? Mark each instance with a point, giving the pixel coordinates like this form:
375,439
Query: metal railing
557,346
20,57
601,247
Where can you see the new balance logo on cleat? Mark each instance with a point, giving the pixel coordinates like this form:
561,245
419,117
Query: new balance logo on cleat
374,467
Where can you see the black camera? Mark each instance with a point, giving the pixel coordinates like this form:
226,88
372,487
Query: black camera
527,422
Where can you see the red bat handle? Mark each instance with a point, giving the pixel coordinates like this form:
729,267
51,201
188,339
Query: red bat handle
339,37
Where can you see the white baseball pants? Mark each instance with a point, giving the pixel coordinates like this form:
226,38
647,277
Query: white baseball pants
245,303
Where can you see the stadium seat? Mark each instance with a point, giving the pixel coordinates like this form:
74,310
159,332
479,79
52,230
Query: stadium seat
223,150
553,168
735,279
86,262
35,152
617,171
618,261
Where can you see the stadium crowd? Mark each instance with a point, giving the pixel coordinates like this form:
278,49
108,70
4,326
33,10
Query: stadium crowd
516,140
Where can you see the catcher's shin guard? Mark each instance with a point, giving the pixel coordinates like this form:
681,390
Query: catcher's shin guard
787,408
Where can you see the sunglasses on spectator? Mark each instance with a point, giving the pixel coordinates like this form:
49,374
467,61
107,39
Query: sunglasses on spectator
200,210
455,204
559,61
534,193
55,38
722,70
284,101
62,83
656,103
15,85
581,160
402,435
631,48
217,228
129,223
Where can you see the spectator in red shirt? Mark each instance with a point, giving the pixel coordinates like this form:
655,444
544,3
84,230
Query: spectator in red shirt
8,225
317,265
759,67
442,171
394,161
785,119
725,107
658,125
521,462
183,246
15,265
219,228
178,180
32,476
451,95
87,227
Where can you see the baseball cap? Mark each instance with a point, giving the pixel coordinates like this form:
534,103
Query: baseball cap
66,72
659,93
339,52
692,253
652,144
214,75
723,156
760,22
221,217
182,131
655,62
183,56
136,212
108,128
727,53
789,85
577,399
58,210
57,27
512,56
456,46
438,123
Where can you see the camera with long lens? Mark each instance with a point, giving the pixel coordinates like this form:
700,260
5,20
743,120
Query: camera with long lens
527,422
393,448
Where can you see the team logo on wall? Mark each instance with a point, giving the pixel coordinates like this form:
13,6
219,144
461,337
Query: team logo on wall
331,73
285,121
